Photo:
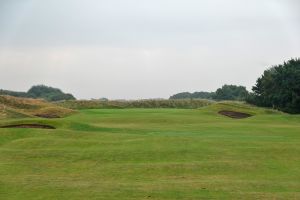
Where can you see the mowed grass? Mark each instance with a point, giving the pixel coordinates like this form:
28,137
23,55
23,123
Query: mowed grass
153,154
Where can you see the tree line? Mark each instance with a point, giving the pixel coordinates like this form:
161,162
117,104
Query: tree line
278,88
41,92
226,92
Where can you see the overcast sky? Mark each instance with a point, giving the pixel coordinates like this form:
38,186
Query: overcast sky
137,49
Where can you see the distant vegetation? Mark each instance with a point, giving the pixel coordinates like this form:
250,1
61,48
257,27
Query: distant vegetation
231,92
227,92
13,93
41,92
49,93
195,95
279,88
149,103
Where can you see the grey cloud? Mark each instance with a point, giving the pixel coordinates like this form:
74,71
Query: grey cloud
162,45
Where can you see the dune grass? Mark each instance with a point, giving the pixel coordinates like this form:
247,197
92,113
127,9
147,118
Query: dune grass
16,107
153,154
146,103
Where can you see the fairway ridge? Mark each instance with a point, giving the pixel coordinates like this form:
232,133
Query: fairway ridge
234,114
40,126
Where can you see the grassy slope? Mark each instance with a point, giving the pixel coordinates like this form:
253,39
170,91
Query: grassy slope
14,107
154,154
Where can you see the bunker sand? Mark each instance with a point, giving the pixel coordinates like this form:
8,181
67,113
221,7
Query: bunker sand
234,114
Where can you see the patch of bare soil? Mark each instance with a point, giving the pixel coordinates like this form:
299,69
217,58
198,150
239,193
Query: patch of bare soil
50,116
29,126
234,115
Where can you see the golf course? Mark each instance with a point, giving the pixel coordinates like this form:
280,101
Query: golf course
152,154
149,100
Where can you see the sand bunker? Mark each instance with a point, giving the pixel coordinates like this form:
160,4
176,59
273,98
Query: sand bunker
29,126
234,115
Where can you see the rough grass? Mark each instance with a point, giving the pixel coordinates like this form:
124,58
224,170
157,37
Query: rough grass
148,103
14,107
154,154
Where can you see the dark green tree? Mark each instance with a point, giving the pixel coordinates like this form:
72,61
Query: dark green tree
279,87
182,95
231,92
48,93
195,95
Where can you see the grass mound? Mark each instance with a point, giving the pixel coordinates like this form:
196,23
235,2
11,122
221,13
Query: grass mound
239,107
14,107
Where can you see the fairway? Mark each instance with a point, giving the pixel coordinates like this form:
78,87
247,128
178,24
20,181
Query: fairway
123,154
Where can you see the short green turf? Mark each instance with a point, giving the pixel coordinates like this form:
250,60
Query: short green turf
127,154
